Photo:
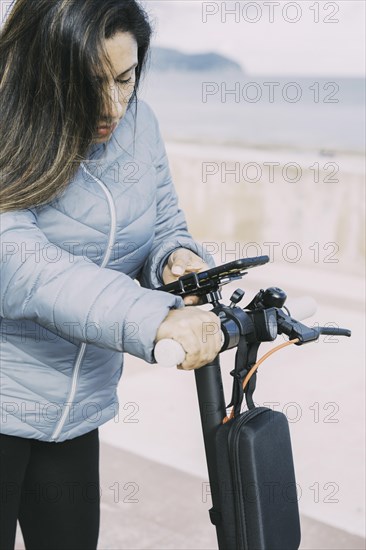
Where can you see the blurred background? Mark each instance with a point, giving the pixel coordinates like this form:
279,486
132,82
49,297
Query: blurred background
262,108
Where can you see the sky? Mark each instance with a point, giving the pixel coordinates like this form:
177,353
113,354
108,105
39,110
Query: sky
262,38
324,38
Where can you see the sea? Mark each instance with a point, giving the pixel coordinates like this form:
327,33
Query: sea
266,112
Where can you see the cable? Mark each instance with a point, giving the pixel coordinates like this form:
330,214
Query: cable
255,367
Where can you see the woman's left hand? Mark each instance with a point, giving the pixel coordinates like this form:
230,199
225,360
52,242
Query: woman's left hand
181,262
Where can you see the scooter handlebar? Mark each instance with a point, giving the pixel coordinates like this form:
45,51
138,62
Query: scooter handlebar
170,353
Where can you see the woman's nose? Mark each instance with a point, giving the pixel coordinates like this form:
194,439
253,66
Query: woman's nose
118,102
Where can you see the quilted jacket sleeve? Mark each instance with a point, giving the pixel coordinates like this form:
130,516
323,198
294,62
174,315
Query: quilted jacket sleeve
171,230
68,294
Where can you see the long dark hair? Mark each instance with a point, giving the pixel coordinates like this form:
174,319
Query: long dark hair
50,99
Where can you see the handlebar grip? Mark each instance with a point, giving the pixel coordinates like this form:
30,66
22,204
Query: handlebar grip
169,353
335,331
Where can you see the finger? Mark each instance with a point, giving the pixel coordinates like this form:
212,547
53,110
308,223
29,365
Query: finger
218,335
186,259
191,300
178,268
210,348
196,268
196,262
212,338
192,347
178,261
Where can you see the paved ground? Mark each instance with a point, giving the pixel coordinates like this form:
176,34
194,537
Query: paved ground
169,513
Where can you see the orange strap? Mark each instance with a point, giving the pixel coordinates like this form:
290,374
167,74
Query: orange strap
254,368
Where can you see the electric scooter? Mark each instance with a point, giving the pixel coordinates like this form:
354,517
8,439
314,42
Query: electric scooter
246,452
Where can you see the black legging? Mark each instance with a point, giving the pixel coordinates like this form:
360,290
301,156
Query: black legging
53,489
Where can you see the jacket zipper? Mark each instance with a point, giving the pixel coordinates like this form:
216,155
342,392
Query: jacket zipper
82,347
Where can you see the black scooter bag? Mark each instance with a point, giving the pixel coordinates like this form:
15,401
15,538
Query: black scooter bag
258,508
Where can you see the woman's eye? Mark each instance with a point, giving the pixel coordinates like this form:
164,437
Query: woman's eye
124,81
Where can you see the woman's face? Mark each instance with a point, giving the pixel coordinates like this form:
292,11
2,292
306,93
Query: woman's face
122,52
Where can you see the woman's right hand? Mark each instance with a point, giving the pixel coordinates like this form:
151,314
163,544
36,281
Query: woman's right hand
198,332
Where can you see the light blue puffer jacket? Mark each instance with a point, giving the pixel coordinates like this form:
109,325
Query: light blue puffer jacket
69,304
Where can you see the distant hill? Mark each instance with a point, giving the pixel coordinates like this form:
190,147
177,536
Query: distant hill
165,59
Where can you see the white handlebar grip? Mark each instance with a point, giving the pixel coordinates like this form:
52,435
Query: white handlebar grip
302,308
169,353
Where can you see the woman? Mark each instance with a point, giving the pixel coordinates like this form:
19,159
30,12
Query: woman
88,206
